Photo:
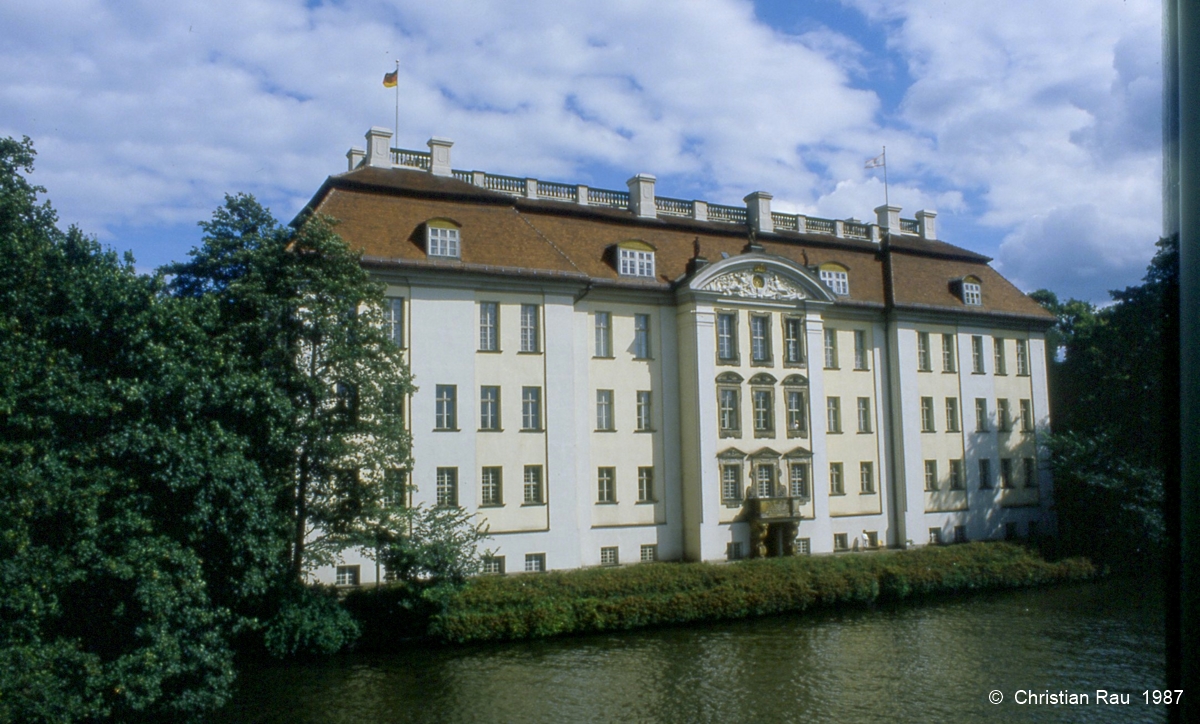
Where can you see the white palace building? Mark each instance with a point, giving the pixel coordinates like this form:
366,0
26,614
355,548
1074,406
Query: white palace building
609,377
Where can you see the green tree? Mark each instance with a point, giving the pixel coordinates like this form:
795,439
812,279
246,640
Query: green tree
294,305
135,534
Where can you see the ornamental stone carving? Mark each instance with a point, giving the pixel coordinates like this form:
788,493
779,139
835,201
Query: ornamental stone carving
756,285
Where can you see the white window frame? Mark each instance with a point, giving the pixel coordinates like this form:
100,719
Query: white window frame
727,347
347,575
731,482
972,294
603,328
764,413
609,556
958,477
1022,357
445,416
1026,407
531,488
393,311
489,327
635,263
442,242
764,480
604,411
924,361
981,414
864,414
798,479
952,415
797,411
977,355
491,486
866,478
531,408
489,408
646,484
948,355
648,553
833,414
837,281
760,339
729,416
793,340
860,350
447,487
927,418
998,355
535,562
831,350
645,411
641,336
530,332
837,479
931,476
606,485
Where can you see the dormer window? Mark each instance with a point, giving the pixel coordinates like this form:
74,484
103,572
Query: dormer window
972,291
835,277
441,239
635,259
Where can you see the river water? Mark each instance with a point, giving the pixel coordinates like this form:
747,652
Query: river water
930,661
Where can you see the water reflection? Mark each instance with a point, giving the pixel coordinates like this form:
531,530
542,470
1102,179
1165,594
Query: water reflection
902,663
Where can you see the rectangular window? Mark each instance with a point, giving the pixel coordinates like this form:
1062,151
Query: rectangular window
952,414
447,487
649,553
606,485
864,414
866,478
957,478
977,354
985,474
764,480
731,482
837,281
531,408
492,566
1001,362
442,242
535,562
831,355
641,336
927,414
604,410
797,412
1026,416
491,487
530,336
760,339
935,536
1004,415
833,413
798,480
923,360
764,415
972,293
960,534
393,317
871,538
604,334
395,486
793,340
931,476
841,542
948,356
646,485
804,546
837,485
981,415
608,556
733,551
347,575
489,408
533,485
636,263
727,336
1030,472
860,349
644,411
489,327
1006,473
730,413
1022,357
446,411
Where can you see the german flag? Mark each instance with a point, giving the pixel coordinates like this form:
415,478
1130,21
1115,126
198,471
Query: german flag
389,79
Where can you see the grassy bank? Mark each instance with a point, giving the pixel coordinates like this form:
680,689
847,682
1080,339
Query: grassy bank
606,599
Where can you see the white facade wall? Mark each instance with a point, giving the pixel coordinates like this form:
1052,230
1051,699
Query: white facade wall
686,519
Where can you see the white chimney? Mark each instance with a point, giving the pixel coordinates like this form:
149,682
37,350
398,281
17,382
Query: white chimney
379,147
641,196
926,221
439,156
758,212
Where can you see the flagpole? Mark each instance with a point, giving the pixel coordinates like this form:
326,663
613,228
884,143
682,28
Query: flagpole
886,200
396,128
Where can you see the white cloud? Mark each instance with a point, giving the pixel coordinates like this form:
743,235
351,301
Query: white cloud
1020,114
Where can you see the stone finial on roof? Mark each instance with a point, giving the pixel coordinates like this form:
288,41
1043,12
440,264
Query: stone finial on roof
379,151
641,196
439,156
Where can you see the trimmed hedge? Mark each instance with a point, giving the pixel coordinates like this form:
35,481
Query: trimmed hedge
648,594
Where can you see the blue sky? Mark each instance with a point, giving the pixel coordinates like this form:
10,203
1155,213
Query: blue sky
1031,127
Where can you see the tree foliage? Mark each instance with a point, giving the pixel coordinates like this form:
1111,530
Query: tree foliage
1107,396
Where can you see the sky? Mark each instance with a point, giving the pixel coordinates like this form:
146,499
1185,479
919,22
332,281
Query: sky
1033,128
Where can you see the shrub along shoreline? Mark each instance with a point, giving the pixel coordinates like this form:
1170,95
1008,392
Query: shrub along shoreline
498,608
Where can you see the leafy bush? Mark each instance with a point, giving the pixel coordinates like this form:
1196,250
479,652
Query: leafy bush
310,622
606,599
